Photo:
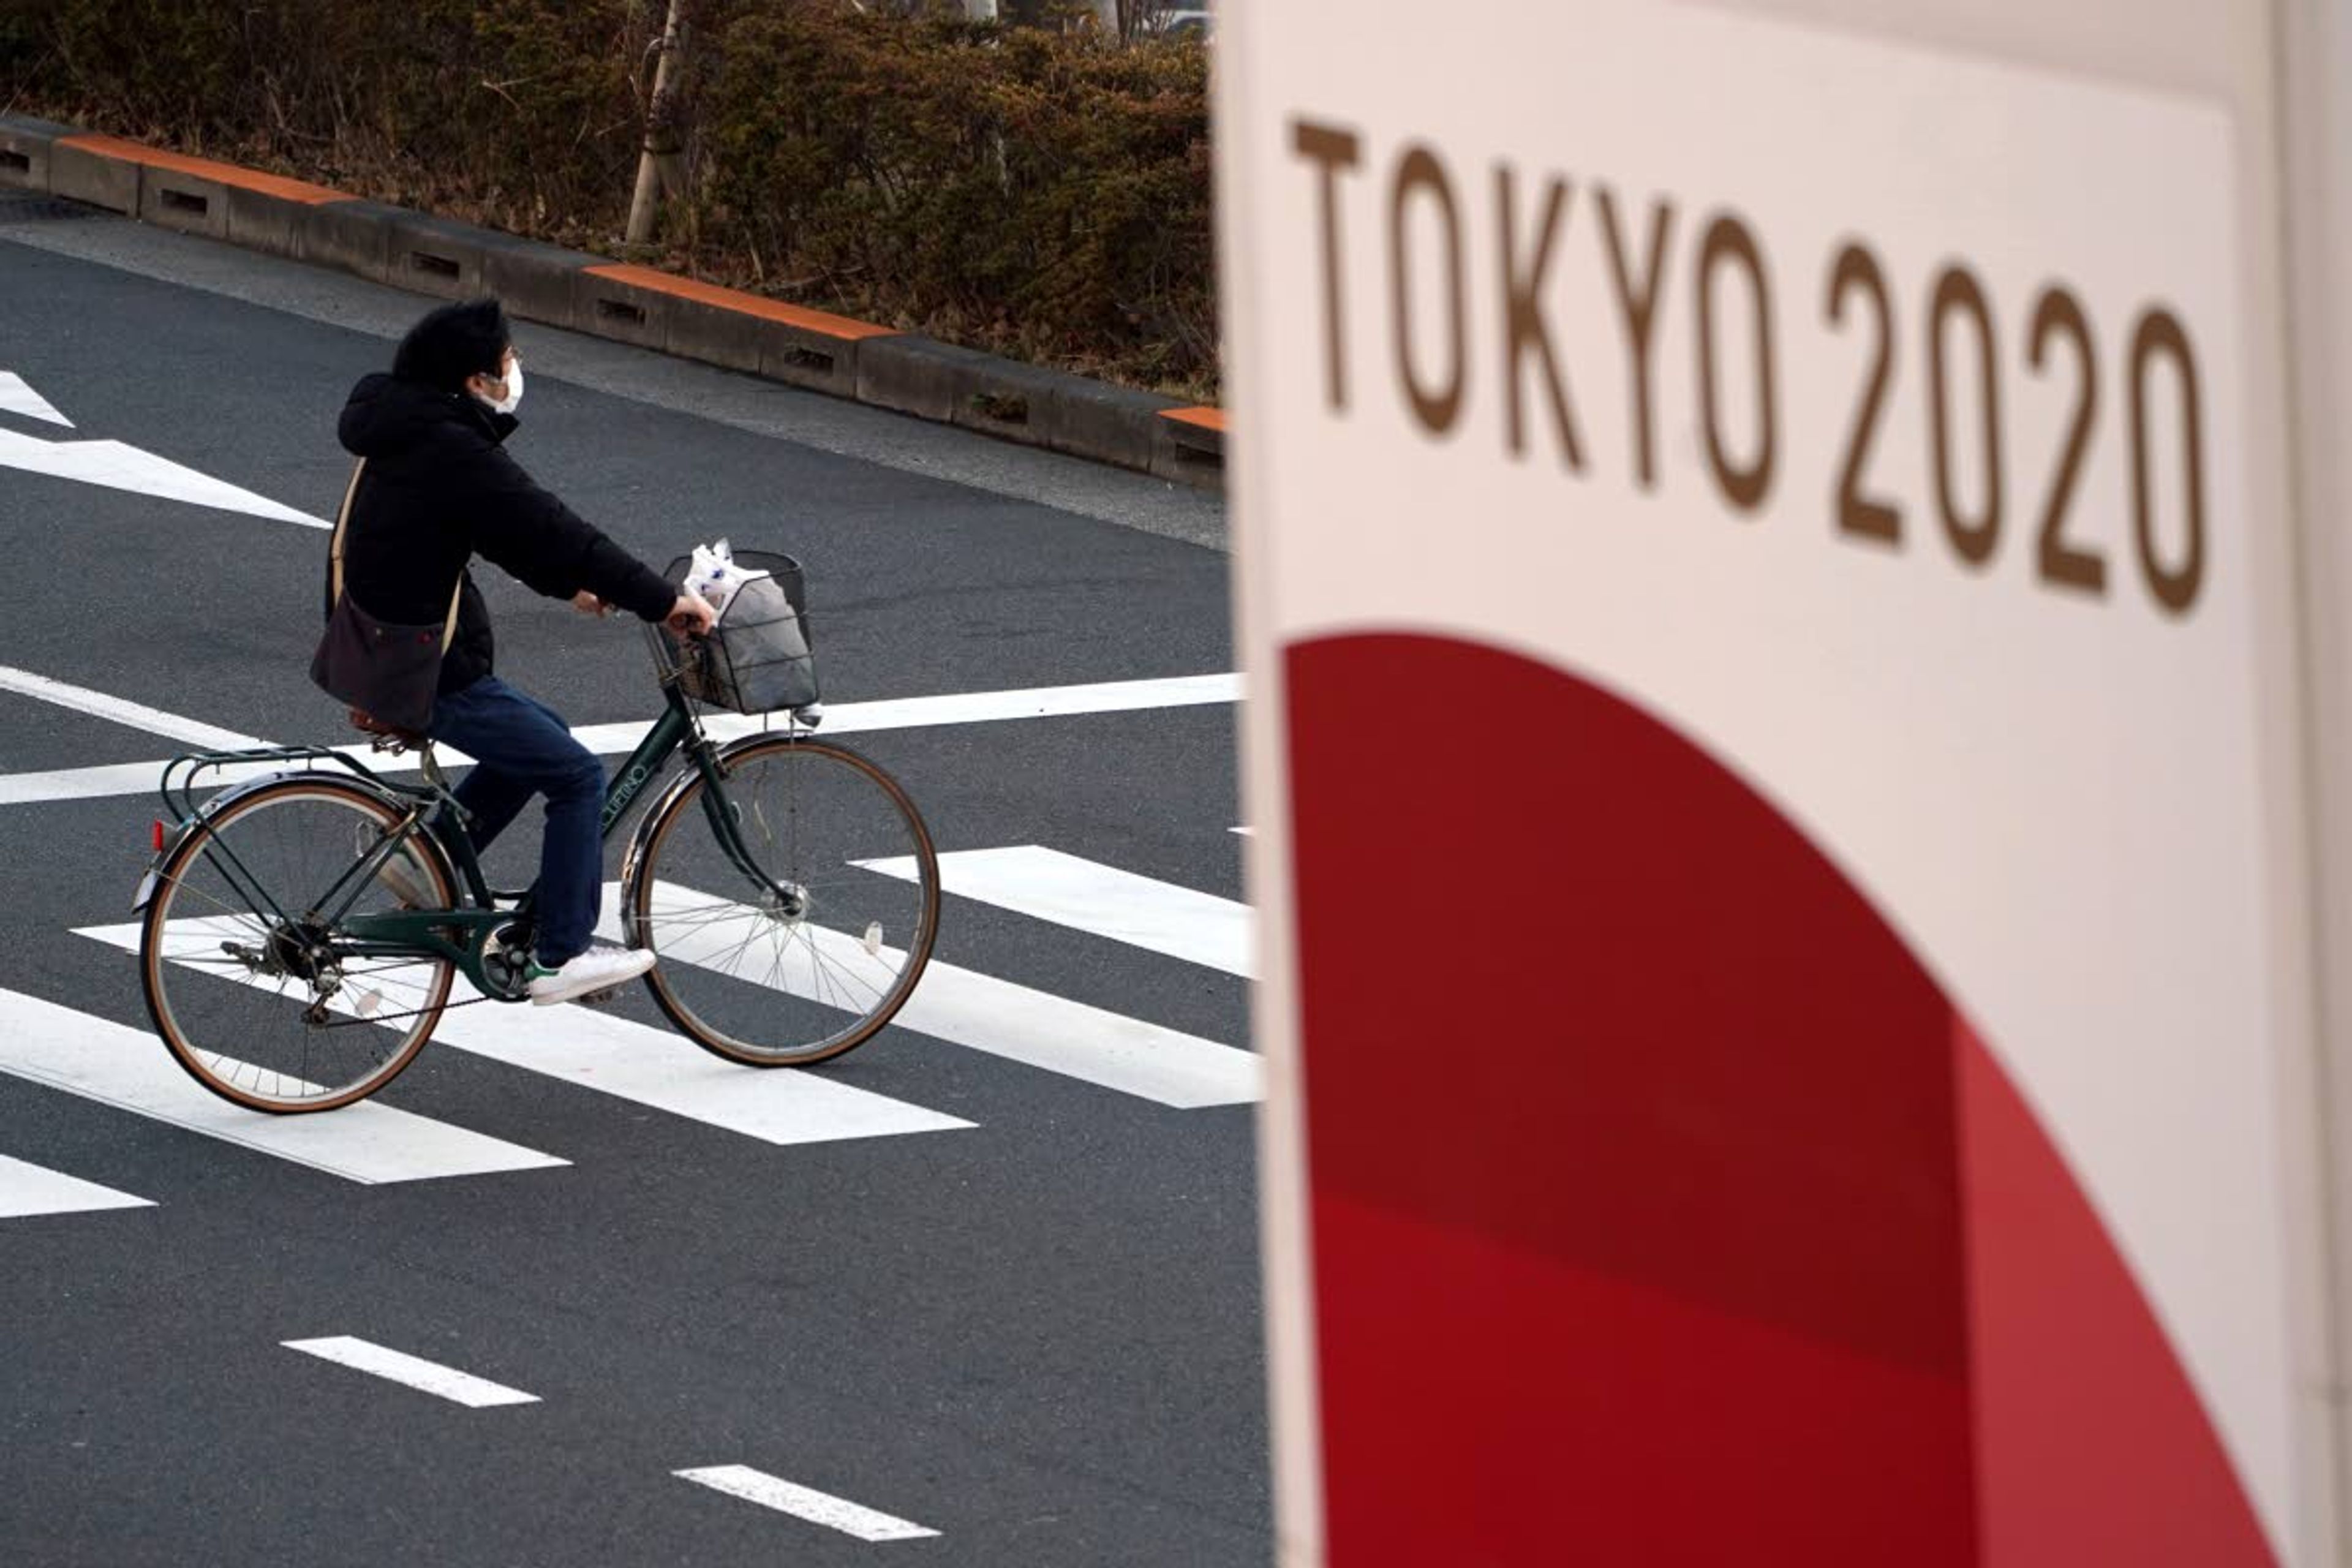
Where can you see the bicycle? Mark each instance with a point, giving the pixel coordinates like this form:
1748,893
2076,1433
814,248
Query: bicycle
287,972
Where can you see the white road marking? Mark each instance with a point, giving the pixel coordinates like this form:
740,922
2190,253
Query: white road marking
1088,896
985,1014
630,1061
137,715
109,780
116,466
805,1502
957,708
616,740
29,1189
130,1070
427,1376
669,1072
16,397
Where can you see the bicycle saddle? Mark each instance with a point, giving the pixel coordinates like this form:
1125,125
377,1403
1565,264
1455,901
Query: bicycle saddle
386,737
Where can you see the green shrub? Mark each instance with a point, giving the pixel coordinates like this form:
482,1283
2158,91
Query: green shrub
1020,189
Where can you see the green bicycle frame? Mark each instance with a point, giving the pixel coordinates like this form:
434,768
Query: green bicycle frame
464,935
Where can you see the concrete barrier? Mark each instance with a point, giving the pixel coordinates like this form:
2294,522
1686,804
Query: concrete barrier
434,256
1111,423
273,218
749,331
536,281
354,236
25,144
83,169
194,195
1024,402
1190,445
608,301
184,199
915,376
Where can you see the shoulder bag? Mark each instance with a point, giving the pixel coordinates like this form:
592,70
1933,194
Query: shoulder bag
387,672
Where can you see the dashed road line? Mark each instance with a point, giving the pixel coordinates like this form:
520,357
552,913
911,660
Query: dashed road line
805,1502
425,1377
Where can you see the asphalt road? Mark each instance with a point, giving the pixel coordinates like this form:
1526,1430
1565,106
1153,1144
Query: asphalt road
1036,1336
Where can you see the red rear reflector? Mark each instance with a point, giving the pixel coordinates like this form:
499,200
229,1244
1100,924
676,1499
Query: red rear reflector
159,836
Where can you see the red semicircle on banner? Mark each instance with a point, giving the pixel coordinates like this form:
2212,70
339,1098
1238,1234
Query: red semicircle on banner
1664,1210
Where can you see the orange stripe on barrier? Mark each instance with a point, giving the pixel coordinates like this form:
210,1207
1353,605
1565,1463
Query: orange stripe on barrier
1207,416
204,168
808,321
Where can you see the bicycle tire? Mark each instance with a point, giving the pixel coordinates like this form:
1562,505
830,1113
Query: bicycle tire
180,976
814,969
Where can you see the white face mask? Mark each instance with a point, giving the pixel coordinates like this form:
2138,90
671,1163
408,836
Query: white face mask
514,390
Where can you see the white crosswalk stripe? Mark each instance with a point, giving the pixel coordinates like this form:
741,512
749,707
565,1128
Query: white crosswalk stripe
654,1067
669,1072
985,1014
28,1189
128,1068
1088,895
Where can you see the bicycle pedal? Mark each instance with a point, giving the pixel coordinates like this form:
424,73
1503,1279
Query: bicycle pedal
599,998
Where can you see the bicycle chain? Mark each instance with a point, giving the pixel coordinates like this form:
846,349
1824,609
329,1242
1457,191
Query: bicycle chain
396,1017
594,999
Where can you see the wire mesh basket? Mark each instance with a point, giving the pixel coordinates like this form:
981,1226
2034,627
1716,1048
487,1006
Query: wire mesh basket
759,658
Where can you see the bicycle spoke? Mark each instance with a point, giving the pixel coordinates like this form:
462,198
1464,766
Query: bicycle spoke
747,977
258,1008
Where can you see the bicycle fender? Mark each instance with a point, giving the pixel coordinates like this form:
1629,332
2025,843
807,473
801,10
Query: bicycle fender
153,876
641,839
641,836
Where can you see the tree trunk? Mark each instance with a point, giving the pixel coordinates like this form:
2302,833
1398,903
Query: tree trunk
658,168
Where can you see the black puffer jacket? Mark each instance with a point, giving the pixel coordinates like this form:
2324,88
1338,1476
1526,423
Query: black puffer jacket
438,490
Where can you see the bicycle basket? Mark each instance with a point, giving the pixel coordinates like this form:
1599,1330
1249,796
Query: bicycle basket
759,658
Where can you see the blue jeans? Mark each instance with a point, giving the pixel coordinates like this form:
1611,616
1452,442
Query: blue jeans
521,747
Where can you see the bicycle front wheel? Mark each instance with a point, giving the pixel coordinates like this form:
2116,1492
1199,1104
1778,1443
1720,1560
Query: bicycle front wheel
796,937
245,979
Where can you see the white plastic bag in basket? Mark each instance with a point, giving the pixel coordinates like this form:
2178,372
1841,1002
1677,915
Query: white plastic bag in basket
713,577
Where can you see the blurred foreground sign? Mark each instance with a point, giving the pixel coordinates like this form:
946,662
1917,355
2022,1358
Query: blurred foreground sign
1745,570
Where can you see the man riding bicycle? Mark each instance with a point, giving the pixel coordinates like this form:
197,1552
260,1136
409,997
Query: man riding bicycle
437,488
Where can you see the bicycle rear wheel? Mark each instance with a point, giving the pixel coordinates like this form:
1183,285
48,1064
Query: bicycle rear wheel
809,957
242,978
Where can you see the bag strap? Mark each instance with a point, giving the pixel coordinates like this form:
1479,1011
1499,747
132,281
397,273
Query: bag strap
335,544
335,559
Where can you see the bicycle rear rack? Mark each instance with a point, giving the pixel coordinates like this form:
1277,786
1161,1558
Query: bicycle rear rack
219,769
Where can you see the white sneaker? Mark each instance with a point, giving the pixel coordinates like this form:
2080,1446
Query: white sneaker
598,969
